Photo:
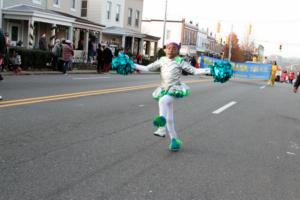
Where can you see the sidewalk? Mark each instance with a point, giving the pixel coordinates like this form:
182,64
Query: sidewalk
48,72
51,72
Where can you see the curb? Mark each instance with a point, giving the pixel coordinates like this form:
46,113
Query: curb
58,72
47,73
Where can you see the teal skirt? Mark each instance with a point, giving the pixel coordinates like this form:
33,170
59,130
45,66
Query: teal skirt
177,91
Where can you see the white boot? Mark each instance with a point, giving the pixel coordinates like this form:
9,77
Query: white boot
161,132
0,98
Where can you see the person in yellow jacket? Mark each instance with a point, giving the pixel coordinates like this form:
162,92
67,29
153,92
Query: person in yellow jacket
273,73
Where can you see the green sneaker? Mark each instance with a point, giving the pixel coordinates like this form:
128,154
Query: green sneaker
175,144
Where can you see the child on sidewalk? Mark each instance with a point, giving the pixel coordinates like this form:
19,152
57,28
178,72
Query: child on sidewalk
15,62
171,88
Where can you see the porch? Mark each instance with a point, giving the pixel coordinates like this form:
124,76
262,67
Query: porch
117,37
26,24
150,45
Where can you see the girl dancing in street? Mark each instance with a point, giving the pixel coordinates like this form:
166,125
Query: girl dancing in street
170,68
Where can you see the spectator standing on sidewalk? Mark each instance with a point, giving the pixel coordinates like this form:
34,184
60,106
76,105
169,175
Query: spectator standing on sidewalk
56,53
15,62
139,58
99,59
297,83
5,55
43,42
161,52
2,51
283,76
291,77
193,61
107,58
139,61
7,40
67,53
91,50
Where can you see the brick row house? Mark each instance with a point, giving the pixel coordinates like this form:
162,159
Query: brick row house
194,42
116,23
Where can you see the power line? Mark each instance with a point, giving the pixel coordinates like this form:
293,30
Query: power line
258,21
282,43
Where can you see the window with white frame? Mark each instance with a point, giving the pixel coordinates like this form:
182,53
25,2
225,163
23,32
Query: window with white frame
37,1
108,9
129,16
137,18
84,8
73,4
118,11
56,3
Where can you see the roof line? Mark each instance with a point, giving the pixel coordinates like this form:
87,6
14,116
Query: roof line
160,20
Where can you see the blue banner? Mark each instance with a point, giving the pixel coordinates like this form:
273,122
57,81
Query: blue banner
205,61
252,70
244,70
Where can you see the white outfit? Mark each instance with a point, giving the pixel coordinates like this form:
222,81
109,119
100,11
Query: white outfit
171,70
165,105
171,86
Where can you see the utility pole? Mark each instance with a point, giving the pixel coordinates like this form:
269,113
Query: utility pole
1,6
230,44
165,19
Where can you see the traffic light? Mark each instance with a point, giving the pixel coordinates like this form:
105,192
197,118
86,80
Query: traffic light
249,29
218,27
280,47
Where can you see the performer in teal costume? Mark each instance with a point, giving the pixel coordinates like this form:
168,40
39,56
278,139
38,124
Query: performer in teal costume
171,88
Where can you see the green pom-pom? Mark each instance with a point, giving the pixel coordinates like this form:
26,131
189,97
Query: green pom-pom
221,71
159,121
123,64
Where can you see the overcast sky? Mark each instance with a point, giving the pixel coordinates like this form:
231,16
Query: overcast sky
273,22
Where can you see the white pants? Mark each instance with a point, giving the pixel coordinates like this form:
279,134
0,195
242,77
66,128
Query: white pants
165,104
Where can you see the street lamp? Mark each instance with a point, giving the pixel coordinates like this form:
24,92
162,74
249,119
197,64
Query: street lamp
165,19
1,6
230,44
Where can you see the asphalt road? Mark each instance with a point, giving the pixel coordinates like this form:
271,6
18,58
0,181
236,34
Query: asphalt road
99,145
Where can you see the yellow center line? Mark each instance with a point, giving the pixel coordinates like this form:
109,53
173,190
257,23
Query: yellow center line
72,94
25,101
69,96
